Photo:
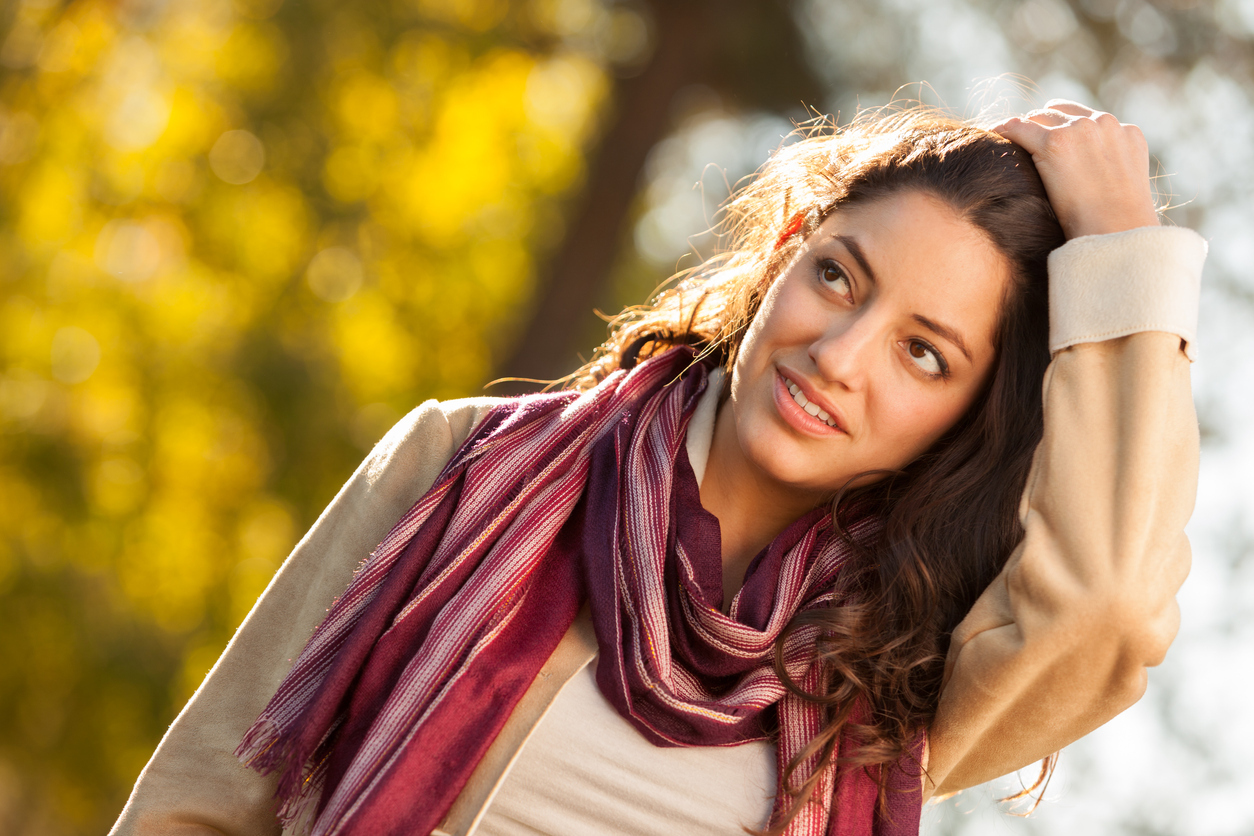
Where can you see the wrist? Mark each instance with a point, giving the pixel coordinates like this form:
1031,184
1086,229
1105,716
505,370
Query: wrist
1105,223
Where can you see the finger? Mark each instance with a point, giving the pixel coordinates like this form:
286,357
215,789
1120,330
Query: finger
1071,108
1079,111
1025,133
1048,117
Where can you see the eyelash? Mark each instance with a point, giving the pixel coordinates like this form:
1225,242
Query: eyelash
940,359
828,264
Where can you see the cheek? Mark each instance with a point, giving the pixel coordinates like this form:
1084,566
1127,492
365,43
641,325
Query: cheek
753,336
912,422
788,318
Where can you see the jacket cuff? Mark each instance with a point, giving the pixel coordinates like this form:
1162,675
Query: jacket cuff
1107,286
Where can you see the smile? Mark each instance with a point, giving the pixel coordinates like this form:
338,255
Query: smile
812,409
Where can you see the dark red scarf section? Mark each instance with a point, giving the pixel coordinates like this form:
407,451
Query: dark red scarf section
553,500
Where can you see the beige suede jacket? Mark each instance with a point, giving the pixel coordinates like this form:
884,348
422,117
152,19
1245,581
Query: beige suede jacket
1056,646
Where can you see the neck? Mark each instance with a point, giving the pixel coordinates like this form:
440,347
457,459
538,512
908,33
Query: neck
751,509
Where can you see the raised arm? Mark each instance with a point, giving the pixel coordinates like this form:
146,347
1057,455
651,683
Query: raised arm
1061,640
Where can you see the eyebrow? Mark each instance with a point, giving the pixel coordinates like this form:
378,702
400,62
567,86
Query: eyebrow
855,249
946,332
859,255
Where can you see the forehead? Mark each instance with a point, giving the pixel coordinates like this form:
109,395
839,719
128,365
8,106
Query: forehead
922,257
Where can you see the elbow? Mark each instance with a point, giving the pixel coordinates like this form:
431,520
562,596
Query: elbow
1111,639
1127,614
1151,642
1143,628
1136,639
1133,687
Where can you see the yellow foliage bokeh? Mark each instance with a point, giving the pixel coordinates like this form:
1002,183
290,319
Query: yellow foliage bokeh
239,241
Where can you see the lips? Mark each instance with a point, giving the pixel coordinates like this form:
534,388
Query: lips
807,401
812,409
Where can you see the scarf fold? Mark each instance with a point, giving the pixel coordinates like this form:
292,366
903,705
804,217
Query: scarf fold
556,499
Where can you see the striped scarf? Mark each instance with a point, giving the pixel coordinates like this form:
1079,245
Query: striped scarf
555,500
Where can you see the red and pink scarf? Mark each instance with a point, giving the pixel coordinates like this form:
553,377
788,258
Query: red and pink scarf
555,500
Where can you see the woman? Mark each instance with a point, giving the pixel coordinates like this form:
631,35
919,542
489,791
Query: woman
992,584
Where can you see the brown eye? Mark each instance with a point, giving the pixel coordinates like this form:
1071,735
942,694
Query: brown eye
834,276
927,358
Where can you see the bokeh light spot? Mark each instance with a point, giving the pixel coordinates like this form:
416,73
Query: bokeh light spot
569,17
625,38
252,57
559,91
140,118
366,105
18,133
257,9
476,15
334,274
118,487
22,395
351,173
51,204
75,354
175,181
1039,25
127,250
21,48
57,54
237,157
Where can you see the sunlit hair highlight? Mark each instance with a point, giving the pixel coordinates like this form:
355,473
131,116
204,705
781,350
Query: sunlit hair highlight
950,517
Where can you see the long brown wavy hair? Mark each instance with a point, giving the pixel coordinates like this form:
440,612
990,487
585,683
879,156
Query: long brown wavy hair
950,516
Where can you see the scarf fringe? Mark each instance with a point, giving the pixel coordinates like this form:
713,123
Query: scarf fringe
266,750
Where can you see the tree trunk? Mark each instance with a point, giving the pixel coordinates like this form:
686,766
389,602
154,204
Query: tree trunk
749,50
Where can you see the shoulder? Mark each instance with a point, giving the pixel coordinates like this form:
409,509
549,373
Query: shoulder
414,451
432,420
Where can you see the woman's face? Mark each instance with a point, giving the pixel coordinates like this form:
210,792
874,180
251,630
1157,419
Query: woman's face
873,342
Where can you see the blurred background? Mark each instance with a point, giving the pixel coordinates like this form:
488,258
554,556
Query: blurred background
240,238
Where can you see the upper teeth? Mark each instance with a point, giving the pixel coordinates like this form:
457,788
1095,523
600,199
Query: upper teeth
810,408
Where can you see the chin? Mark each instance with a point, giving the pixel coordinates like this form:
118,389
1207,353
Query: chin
794,468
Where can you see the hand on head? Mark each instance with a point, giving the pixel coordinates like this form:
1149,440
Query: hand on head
1094,167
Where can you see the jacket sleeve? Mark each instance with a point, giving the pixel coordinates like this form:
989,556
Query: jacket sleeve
1060,642
193,784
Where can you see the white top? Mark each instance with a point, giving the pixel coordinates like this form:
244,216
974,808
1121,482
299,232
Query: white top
585,770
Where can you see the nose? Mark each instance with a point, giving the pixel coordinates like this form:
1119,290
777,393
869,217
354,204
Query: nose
844,354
